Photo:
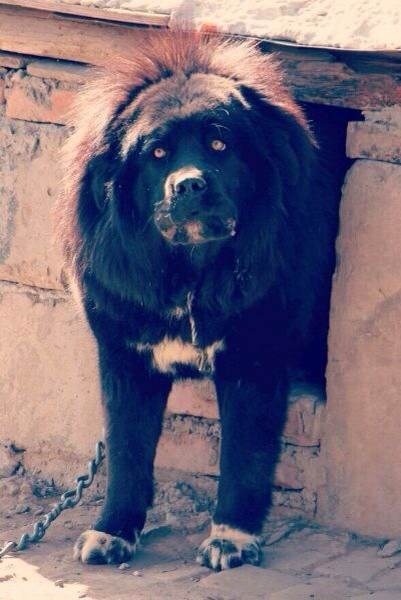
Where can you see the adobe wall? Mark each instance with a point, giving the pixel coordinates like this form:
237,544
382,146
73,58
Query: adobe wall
362,433
49,394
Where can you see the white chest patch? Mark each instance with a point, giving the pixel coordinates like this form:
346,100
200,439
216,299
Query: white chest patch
169,353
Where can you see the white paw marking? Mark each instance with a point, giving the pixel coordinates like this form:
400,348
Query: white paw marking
227,547
96,547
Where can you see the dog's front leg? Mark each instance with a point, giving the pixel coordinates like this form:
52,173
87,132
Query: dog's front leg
252,413
134,400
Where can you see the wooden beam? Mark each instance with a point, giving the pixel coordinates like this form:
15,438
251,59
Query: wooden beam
155,19
42,33
323,77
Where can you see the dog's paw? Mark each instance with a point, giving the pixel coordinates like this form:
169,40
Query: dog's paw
98,548
227,548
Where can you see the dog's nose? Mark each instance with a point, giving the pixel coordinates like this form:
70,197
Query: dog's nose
189,185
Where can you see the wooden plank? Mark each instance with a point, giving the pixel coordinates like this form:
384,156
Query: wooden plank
340,53
155,19
325,80
42,33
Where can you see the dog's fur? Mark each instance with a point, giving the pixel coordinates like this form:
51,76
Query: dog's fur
198,224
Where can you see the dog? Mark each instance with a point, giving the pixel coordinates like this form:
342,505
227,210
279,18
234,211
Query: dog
197,223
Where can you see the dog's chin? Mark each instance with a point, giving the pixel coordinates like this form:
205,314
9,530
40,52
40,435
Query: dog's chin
195,232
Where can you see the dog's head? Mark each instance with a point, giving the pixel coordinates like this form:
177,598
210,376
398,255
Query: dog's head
194,143
195,181
188,150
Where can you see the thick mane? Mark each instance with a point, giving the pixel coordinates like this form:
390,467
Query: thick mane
190,52
105,106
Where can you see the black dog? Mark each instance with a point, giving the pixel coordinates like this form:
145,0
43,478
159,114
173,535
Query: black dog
198,225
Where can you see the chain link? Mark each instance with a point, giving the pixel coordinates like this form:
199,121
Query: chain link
69,499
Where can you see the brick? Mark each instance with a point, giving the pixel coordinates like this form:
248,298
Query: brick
311,466
188,445
33,99
197,398
186,453
288,476
192,445
299,502
304,416
57,69
12,61
374,141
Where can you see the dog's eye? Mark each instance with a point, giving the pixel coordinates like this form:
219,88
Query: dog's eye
159,152
218,145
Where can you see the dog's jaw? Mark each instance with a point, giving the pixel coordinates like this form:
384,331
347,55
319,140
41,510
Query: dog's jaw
195,232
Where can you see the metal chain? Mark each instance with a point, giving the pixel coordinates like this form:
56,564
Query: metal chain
69,499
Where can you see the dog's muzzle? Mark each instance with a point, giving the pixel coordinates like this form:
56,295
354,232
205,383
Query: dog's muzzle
189,213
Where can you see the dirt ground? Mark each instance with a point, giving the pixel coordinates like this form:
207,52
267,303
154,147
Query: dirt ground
301,561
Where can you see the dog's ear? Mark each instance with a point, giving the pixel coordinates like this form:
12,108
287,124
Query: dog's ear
94,193
107,187
284,136
97,183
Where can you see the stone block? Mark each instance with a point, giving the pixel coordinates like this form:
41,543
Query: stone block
303,424
30,176
287,475
12,61
311,468
61,70
190,445
38,100
234,584
359,565
197,398
299,502
320,588
377,138
374,141
362,442
304,550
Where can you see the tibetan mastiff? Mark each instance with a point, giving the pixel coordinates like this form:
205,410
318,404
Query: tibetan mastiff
197,222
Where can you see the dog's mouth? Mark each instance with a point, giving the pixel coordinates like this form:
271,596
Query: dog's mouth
195,231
